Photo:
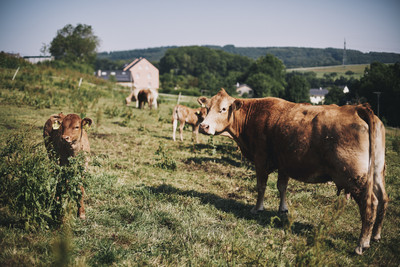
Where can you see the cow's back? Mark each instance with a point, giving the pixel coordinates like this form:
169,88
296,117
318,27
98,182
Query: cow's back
313,142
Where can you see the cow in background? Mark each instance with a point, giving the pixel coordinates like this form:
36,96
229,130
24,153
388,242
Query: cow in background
64,137
312,144
146,95
190,116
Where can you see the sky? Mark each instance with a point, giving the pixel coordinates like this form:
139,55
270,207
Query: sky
366,25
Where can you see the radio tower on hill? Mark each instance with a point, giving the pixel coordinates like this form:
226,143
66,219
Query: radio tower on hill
344,52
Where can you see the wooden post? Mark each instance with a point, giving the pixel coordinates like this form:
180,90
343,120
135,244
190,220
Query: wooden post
15,74
179,98
80,82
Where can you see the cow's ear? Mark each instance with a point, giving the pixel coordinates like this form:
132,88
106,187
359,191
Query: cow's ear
86,123
56,125
237,104
202,101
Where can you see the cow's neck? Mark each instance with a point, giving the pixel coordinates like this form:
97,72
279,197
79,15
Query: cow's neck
238,127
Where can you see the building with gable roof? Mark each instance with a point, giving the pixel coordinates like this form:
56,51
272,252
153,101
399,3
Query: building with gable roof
140,74
143,73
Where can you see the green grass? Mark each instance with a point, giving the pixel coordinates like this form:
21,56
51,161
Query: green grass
141,210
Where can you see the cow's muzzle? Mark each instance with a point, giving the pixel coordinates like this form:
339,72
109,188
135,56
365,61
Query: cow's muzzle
204,128
67,139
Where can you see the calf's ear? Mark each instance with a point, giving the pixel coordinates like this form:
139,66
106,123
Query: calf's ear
202,101
56,125
86,123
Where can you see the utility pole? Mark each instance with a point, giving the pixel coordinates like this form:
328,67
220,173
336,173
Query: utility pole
378,94
344,53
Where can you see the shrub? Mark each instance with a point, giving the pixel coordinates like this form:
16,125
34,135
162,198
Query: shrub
36,189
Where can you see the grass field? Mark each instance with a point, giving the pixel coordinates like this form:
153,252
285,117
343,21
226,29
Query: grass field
152,201
358,70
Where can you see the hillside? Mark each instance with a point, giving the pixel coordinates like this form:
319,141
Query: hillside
292,57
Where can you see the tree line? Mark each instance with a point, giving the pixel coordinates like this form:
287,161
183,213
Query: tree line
292,57
204,70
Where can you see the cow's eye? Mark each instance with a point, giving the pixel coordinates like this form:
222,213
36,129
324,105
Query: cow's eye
77,127
223,110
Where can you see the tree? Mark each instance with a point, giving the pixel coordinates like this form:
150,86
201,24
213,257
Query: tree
297,89
335,96
382,78
272,70
75,44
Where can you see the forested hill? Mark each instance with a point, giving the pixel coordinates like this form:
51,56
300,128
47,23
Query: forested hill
292,57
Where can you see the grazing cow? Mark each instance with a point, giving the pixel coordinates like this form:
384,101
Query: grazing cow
312,144
187,115
64,137
141,96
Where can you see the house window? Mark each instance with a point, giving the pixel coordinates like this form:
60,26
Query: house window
137,75
149,75
112,73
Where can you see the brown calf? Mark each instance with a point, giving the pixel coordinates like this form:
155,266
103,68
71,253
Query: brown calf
65,137
187,115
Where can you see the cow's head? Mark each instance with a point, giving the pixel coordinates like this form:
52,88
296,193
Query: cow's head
71,128
220,108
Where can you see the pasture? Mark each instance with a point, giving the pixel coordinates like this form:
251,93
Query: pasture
340,70
152,201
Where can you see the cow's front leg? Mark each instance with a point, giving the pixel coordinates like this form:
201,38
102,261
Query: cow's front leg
262,177
282,183
195,133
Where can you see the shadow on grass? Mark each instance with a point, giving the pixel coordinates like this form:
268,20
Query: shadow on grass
240,210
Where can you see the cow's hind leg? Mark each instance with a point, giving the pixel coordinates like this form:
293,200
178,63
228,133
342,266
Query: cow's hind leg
174,126
380,193
181,125
282,183
367,203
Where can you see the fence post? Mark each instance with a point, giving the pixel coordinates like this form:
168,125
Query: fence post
15,74
179,98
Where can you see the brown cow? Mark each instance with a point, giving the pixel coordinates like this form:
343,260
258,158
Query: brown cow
65,137
142,96
312,144
187,115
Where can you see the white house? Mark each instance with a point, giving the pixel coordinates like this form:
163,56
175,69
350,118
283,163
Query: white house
317,96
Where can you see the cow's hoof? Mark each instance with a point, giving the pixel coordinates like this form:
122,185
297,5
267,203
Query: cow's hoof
358,250
376,238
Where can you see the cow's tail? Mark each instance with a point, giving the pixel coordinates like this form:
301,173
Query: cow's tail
365,112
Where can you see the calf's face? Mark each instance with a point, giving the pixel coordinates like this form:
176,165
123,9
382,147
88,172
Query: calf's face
71,128
201,113
219,116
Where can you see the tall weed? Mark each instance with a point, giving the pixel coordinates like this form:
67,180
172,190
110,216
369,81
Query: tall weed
35,189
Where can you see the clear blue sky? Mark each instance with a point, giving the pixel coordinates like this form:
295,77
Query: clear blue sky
367,25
